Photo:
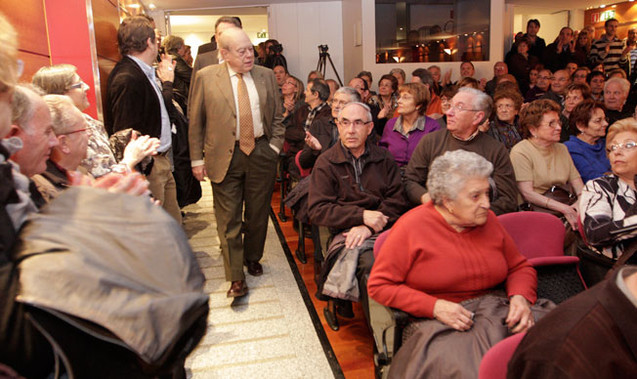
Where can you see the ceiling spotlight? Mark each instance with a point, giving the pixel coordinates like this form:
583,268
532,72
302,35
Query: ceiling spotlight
602,6
151,6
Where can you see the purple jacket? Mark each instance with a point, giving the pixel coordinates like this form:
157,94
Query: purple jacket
402,147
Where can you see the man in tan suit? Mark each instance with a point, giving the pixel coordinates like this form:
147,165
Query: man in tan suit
236,121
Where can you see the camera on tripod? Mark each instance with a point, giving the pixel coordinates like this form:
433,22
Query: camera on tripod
323,49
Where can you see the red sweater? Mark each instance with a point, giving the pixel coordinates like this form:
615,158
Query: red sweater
424,259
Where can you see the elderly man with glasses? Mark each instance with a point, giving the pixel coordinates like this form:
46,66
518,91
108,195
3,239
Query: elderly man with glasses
469,109
356,191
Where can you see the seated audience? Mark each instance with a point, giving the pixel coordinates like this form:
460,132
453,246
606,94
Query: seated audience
356,191
596,80
292,91
468,82
607,205
557,91
590,336
314,74
575,94
499,69
450,262
615,95
363,90
505,126
434,108
544,79
446,94
388,98
280,74
63,79
579,76
324,134
588,146
402,133
541,162
71,131
436,74
399,74
333,87
469,109
571,67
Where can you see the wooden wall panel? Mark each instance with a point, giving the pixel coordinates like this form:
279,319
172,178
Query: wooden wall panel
27,17
32,63
106,21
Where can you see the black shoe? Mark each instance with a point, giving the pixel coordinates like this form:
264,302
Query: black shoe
254,268
344,308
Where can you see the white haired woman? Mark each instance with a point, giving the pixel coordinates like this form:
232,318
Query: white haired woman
443,261
608,205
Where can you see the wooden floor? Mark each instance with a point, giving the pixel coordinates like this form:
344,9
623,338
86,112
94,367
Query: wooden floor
352,344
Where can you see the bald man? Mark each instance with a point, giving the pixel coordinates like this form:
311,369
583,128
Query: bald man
236,120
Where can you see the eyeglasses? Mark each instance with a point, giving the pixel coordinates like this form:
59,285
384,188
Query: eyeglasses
75,131
461,108
628,145
545,77
553,124
81,84
357,123
291,83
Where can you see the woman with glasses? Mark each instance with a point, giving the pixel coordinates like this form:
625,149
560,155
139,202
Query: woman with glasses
608,204
62,79
402,134
387,98
542,164
505,126
292,91
588,146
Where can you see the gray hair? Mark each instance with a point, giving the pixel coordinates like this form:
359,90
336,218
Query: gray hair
56,79
450,172
623,83
363,105
481,101
173,43
8,55
353,94
23,104
398,71
64,114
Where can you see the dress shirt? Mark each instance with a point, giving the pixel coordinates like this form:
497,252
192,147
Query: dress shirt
254,101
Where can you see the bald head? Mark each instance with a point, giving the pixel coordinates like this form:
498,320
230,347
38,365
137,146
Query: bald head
237,50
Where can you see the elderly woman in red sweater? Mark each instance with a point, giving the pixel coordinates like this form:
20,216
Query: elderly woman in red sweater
450,260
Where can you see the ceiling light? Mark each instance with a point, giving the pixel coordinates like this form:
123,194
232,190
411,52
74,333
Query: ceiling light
134,5
602,6
151,6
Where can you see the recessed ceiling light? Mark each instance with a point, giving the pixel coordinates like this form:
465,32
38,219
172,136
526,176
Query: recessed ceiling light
151,6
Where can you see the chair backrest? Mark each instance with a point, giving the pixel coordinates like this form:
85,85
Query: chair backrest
304,172
379,242
494,363
536,234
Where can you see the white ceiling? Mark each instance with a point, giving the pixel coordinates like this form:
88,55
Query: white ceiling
208,4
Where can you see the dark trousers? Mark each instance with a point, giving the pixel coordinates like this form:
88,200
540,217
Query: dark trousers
242,204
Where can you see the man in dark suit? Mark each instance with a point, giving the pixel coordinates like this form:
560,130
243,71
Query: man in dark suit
134,100
206,55
236,120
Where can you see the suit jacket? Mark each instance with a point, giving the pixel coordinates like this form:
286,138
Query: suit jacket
131,101
213,116
203,60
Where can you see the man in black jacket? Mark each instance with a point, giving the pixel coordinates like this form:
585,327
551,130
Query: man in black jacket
135,99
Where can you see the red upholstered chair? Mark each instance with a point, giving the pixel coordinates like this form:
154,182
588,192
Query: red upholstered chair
494,363
540,238
304,171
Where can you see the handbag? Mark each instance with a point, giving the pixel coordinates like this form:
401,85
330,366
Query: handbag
556,193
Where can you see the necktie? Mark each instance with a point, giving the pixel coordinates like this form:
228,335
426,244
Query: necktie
246,128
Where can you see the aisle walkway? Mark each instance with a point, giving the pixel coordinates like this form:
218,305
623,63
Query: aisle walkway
267,333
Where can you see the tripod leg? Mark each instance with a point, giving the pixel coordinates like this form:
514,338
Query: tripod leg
334,68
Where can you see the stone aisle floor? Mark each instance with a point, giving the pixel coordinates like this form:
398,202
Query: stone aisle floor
266,334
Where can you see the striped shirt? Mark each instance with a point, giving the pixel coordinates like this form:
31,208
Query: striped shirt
613,59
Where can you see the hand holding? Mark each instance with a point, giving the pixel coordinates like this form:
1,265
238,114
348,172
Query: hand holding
385,111
520,317
570,212
166,68
453,315
375,220
356,236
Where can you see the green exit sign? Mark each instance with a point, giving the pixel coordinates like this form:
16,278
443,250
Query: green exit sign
262,34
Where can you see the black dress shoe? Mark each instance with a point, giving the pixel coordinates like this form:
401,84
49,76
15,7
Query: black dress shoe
254,268
238,288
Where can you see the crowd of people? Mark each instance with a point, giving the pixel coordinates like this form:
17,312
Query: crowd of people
430,160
